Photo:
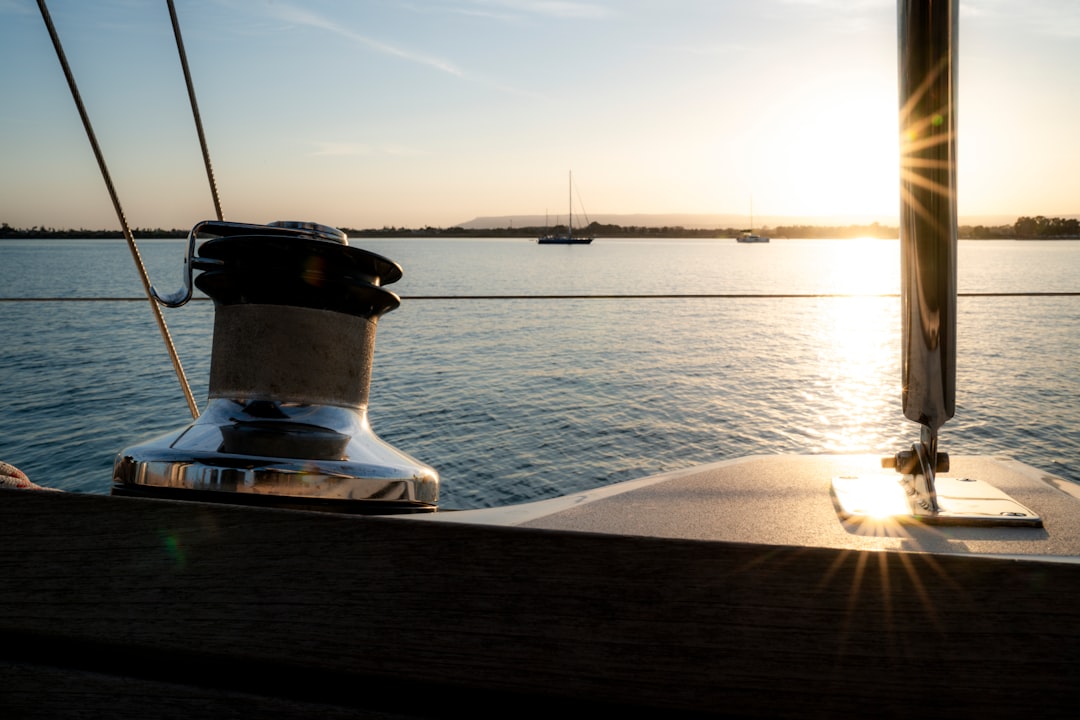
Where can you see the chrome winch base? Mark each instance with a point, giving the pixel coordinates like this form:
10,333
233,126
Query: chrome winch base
290,455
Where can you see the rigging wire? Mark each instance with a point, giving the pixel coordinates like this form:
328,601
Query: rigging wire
195,111
582,204
177,367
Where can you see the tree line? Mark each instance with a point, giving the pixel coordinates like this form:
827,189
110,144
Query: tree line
1044,227
7,233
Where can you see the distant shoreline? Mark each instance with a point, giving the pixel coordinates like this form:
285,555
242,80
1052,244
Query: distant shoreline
1025,228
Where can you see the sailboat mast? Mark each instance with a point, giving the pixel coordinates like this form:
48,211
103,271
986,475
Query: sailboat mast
570,207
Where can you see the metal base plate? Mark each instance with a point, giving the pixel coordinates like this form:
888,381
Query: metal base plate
962,501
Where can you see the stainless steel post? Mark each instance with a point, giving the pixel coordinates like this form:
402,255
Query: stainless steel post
928,53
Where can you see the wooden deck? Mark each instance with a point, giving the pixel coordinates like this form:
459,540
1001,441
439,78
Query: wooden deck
732,590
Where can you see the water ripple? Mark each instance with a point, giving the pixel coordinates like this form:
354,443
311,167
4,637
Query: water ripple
515,400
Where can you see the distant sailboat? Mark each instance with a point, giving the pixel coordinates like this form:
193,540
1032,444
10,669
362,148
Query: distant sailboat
568,238
748,235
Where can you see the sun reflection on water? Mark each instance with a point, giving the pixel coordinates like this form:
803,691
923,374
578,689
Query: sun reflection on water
857,337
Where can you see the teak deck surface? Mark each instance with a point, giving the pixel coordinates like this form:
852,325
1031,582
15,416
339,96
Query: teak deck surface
667,594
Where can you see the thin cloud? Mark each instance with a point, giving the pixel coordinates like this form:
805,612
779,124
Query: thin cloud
1054,18
299,16
550,8
1057,21
402,151
720,48
843,5
324,148
14,8
518,12
339,149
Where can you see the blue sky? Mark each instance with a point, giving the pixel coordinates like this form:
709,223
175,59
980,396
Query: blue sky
432,112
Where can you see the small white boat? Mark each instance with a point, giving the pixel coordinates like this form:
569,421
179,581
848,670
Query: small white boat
748,236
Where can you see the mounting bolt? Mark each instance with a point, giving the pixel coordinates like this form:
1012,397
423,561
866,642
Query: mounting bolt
904,462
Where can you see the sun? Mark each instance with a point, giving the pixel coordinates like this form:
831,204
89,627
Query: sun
832,151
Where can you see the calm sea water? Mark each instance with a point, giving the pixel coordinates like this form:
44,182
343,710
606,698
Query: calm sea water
533,397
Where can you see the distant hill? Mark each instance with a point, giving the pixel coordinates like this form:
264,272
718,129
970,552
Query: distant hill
709,221
624,220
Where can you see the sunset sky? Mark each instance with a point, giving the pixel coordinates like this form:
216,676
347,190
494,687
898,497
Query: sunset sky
432,112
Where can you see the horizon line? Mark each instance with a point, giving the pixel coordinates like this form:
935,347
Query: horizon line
777,221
